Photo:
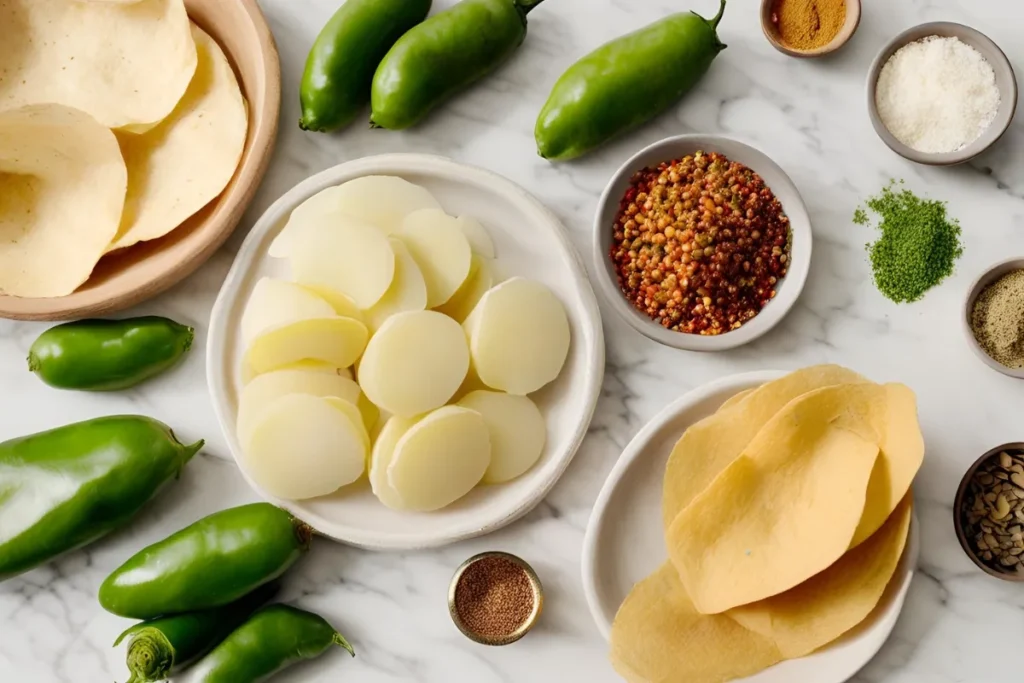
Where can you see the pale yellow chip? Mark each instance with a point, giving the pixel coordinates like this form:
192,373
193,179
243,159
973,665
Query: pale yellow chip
710,445
659,637
182,164
62,188
126,64
827,605
734,399
784,510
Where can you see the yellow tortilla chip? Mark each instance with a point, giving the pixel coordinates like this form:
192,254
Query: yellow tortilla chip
733,400
179,166
659,637
786,509
709,446
125,64
827,605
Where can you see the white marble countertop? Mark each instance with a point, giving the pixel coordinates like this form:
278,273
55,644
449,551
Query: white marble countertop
810,116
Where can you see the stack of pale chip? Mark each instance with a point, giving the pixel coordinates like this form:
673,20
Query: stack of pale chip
786,513
119,119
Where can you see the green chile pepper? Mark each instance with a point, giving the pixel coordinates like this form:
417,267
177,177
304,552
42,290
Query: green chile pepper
270,641
67,487
336,83
625,83
159,647
106,355
213,562
443,55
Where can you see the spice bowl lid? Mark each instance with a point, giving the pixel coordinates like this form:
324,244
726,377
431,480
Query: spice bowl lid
528,623
776,179
958,503
987,278
1006,82
771,31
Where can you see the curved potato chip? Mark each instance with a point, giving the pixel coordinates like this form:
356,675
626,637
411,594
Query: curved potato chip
183,163
126,64
784,510
62,188
734,399
658,636
827,605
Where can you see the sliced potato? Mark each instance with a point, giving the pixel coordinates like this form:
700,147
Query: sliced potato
516,429
248,374
380,460
463,302
352,258
440,458
441,249
342,305
371,413
408,291
382,201
479,240
276,302
353,414
336,341
267,388
414,363
518,336
303,446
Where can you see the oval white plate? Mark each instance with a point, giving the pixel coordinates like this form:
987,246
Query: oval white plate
529,241
624,542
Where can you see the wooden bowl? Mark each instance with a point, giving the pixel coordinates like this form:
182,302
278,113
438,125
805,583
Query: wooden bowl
958,521
129,276
771,32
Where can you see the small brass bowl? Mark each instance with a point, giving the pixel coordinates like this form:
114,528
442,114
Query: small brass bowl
528,623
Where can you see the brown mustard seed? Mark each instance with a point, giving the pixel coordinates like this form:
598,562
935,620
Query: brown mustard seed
494,597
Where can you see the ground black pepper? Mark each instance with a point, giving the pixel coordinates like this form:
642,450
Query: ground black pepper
494,597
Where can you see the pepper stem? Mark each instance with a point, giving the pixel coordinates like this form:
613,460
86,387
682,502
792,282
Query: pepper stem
340,641
150,656
193,449
525,6
303,533
718,17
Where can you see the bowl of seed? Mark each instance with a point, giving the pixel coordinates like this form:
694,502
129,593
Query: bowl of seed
994,317
495,598
988,512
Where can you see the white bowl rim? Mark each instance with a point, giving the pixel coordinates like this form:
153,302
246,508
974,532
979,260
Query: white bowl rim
770,316
423,163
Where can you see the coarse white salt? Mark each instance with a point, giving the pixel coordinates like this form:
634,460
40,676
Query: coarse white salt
937,94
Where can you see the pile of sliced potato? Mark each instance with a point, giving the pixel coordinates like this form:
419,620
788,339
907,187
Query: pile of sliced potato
386,281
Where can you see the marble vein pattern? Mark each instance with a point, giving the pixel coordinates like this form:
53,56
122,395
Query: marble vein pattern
810,116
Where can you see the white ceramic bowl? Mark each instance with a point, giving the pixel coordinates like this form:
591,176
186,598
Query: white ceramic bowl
529,241
624,542
774,177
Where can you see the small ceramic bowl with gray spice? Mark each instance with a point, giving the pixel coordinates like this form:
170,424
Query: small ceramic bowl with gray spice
988,512
988,278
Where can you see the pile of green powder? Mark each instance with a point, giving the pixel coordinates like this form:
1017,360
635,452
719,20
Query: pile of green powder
998,320
918,245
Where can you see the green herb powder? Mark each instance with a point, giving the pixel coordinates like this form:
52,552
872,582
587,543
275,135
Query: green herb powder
918,245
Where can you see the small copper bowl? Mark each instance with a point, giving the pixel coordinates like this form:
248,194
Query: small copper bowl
958,512
528,623
771,31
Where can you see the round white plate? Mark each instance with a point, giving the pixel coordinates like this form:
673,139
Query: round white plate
529,241
624,542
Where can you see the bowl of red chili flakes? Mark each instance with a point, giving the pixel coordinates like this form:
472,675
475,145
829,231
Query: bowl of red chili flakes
702,242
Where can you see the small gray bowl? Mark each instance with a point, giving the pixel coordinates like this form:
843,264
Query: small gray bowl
774,177
987,278
1005,81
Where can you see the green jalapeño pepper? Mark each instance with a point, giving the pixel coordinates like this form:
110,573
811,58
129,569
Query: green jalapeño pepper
213,562
270,641
106,355
67,487
336,83
625,83
443,55
159,647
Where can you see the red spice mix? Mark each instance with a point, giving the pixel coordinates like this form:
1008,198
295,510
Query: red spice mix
700,244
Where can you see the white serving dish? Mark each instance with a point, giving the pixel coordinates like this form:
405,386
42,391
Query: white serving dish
778,182
529,241
624,542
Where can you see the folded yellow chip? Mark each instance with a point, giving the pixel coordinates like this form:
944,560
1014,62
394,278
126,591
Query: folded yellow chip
659,637
823,608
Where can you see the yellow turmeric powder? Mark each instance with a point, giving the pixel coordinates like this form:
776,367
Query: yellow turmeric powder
808,24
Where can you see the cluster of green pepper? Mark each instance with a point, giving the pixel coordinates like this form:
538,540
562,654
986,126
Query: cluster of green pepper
200,591
388,53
